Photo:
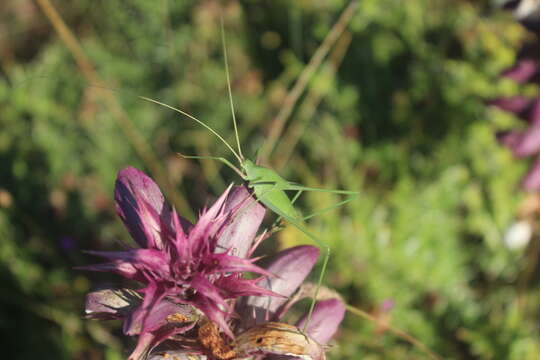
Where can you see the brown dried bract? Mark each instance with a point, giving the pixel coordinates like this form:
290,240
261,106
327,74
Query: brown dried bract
211,339
272,336
280,339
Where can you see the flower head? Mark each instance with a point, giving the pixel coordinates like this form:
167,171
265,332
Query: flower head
523,143
185,269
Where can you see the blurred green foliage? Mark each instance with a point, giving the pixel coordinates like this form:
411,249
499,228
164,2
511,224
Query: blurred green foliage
400,115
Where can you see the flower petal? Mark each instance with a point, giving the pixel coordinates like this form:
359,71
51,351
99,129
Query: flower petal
120,267
141,259
291,268
142,320
509,138
213,312
528,143
325,320
165,312
234,286
522,71
142,207
534,114
110,303
223,263
150,340
144,346
518,105
210,223
205,288
180,240
248,215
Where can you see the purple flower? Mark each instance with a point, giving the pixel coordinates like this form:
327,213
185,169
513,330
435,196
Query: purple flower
195,299
527,70
259,330
527,142
187,270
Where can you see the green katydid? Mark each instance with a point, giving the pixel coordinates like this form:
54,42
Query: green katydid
268,186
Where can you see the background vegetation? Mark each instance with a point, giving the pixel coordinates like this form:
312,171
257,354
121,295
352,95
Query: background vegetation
397,112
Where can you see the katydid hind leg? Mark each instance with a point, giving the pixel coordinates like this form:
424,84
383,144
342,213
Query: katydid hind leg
293,186
277,201
296,223
329,208
326,248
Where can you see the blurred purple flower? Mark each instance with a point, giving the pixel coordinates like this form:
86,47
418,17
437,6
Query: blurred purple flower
527,70
186,269
527,142
388,305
